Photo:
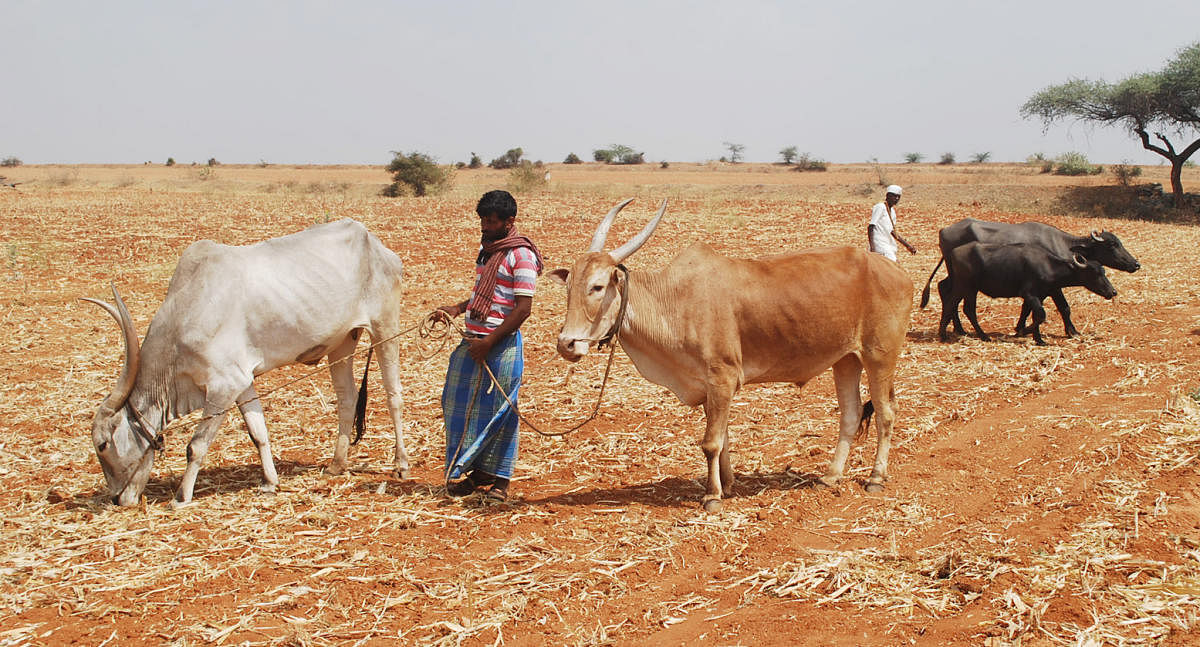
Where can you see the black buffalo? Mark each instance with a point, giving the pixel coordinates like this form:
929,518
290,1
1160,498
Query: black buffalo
1100,246
1013,270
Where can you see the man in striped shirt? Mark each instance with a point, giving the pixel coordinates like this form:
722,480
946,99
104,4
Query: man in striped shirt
481,424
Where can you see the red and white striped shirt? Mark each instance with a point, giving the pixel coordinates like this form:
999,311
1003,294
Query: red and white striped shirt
516,277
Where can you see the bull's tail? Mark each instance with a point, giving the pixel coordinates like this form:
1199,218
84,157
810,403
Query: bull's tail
925,292
360,407
864,422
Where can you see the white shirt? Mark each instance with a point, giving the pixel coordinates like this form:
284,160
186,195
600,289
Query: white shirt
883,219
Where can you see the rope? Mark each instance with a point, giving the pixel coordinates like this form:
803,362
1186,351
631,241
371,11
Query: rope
436,326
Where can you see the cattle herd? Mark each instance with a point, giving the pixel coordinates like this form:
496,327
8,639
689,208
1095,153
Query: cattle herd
703,326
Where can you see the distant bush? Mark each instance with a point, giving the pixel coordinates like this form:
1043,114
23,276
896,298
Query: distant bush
618,154
263,163
789,154
947,158
170,161
510,159
526,177
808,163
980,158
10,162
1075,164
1125,173
572,158
212,161
475,161
1047,166
913,158
664,164
416,173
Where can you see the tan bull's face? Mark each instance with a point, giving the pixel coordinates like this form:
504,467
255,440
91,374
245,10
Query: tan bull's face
593,302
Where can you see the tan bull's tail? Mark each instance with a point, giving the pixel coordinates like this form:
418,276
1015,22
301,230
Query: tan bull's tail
925,292
864,422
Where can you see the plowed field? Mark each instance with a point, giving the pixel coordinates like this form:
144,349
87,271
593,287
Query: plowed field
1038,495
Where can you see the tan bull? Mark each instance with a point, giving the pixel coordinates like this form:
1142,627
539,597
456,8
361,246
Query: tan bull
707,324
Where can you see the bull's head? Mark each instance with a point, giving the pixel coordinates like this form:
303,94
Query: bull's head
1106,248
1092,275
124,444
594,285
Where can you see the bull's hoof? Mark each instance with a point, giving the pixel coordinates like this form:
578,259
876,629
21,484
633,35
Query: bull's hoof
874,487
176,504
267,488
335,469
824,483
402,473
712,505
984,338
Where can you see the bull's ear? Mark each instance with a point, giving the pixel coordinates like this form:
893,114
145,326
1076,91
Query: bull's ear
559,276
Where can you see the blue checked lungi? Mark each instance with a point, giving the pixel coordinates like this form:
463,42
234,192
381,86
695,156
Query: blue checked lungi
486,440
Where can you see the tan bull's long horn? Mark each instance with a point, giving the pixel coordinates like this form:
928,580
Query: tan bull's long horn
601,234
625,251
124,387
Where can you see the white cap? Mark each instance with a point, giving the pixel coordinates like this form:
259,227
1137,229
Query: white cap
895,188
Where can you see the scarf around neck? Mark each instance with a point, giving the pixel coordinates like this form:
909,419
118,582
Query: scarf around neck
485,289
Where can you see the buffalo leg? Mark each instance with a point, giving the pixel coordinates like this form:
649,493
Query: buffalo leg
389,369
1020,329
256,425
847,374
716,419
969,309
1064,309
949,310
342,375
1039,316
945,291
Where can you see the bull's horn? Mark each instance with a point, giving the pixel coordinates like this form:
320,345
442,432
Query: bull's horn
124,387
601,234
1079,260
624,251
1096,236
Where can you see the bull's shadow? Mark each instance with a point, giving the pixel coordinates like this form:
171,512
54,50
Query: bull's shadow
220,479
678,491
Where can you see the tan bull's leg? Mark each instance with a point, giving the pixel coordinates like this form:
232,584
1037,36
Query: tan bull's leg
884,396
389,369
256,425
342,375
846,375
716,418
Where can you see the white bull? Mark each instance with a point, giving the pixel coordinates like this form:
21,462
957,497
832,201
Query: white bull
232,313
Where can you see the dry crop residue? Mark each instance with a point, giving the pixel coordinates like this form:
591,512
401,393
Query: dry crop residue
1039,495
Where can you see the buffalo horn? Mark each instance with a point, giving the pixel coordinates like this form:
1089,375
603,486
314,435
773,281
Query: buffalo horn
1096,236
1079,260
624,251
601,234
121,391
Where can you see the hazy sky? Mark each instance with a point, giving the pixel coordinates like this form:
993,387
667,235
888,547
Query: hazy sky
347,82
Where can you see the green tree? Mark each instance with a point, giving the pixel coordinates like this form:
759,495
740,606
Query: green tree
913,158
788,154
572,158
1165,102
418,172
735,151
510,159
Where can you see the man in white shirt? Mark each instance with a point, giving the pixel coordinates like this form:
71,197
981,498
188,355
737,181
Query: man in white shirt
881,232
